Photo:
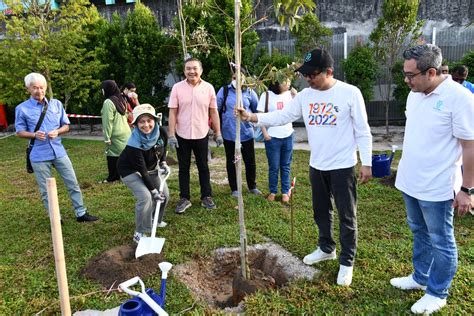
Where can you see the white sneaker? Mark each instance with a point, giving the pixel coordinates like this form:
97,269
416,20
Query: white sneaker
428,304
162,224
344,277
407,283
319,255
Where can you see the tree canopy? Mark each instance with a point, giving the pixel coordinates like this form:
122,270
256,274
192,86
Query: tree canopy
310,34
210,36
53,43
397,29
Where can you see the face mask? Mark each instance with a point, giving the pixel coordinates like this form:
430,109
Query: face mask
234,83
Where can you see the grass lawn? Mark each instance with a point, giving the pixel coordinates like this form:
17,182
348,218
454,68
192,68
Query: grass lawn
28,284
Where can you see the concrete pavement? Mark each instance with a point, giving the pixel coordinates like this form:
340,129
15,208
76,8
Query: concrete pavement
380,141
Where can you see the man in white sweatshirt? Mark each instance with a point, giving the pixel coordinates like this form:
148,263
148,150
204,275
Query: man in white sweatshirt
336,122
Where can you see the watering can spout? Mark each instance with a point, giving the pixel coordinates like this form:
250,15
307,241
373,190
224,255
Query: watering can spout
164,267
394,148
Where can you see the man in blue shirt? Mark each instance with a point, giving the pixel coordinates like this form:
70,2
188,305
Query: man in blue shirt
226,97
459,75
47,150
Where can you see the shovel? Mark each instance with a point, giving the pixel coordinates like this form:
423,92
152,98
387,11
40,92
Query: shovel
152,244
143,295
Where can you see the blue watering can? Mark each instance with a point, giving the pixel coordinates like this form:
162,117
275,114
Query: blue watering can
146,302
381,164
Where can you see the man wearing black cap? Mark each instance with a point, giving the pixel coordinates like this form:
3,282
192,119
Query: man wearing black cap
336,122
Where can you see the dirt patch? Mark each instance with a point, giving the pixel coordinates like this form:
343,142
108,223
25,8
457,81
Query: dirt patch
389,180
211,279
219,172
119,264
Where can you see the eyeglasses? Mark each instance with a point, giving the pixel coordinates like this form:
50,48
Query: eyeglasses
410,76
313,75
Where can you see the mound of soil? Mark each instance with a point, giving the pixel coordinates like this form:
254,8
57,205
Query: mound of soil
118,264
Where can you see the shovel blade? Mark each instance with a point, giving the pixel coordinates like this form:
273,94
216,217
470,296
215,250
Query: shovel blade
148,245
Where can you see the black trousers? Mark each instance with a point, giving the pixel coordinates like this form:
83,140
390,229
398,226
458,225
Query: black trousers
199,148
248,155
339,184
113,170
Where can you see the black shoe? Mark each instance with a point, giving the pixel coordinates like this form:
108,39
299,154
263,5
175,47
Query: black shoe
87,218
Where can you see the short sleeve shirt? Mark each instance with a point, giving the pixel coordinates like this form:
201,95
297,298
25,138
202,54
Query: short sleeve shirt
193,104
430,167
27,115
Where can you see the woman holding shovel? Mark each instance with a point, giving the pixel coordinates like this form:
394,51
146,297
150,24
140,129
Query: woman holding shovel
139,164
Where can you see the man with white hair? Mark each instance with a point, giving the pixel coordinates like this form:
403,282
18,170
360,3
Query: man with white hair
47,150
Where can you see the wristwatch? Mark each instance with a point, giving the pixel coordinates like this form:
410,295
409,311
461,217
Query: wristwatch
469,191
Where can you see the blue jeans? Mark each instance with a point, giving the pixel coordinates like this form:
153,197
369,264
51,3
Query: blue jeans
435,255
64,167
279,154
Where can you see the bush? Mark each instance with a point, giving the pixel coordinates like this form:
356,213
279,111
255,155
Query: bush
361,70
401,91
468,61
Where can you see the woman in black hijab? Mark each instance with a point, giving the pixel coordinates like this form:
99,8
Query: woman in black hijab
115,127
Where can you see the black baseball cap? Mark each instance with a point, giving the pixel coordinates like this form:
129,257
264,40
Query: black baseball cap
317,59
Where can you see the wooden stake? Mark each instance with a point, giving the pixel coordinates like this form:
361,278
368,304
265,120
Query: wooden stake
58,247
292,220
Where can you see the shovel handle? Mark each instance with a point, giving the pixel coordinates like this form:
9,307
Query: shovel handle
153,305
125,286
163,178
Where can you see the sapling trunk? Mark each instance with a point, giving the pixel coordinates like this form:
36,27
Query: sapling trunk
238,155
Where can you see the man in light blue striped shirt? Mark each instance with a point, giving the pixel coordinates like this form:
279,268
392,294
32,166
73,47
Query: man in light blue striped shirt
47,150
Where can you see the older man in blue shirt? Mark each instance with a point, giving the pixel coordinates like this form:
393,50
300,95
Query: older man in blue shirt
47,150
226,97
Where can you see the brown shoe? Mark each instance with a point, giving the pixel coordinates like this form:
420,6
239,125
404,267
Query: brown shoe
271,197
285,198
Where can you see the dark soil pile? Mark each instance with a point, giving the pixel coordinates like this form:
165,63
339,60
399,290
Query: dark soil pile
118,264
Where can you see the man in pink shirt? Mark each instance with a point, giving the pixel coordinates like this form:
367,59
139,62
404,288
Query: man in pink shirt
192,102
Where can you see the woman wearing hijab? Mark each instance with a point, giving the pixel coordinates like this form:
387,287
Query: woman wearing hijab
129,92
115,127
138,166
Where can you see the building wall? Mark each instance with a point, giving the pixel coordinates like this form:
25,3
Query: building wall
355,16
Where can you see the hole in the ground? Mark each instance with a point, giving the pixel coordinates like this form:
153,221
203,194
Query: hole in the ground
217,280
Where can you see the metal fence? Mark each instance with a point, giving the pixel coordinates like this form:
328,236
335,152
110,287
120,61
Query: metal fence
454,43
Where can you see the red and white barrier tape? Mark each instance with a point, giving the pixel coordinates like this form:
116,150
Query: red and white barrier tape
83,116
